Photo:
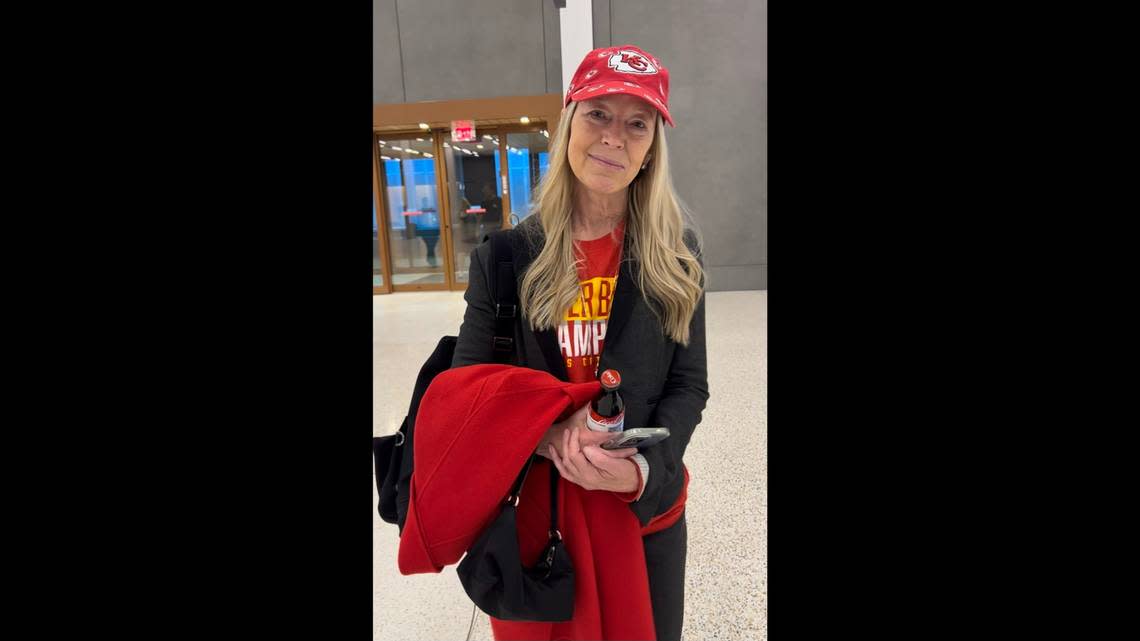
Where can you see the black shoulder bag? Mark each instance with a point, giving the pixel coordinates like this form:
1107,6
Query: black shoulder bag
494,577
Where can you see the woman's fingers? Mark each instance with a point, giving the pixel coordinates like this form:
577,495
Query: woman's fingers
573,464
618,474
575,444
583,463
600,462
572,456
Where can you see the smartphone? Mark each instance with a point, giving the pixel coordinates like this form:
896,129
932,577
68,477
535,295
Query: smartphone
637,437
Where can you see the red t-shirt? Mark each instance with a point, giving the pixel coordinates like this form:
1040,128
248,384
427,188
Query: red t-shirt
582,332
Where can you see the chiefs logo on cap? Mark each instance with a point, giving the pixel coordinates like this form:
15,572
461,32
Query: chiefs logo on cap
631,62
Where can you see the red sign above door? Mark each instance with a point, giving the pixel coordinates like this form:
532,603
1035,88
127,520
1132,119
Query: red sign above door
462,130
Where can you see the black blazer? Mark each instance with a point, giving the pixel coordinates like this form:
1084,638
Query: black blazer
662,383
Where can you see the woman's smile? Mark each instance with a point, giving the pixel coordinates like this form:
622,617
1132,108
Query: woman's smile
608,164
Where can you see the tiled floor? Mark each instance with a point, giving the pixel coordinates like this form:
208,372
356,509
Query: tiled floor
727,572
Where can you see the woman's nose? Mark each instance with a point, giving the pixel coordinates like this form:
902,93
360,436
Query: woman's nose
611,137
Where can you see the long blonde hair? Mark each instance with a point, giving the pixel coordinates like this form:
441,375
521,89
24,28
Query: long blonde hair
671,278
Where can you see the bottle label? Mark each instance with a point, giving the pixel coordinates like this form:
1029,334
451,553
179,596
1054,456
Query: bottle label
600,423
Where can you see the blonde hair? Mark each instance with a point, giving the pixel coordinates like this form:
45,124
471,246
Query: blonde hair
671,278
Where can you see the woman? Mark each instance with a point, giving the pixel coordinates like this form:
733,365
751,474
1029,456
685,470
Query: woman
609,278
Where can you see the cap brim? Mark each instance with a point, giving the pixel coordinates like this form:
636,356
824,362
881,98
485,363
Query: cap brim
609,88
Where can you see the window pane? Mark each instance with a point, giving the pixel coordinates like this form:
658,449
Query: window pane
527,162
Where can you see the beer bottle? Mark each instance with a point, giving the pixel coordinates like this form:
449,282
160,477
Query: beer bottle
607,412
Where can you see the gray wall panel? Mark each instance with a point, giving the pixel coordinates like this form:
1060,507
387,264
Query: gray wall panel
472,49
387,73
553,30
732,277
601,19
717,55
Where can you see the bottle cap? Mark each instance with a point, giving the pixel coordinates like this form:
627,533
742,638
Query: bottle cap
610,379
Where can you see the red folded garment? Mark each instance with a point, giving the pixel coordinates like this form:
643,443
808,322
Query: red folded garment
475,428
474,431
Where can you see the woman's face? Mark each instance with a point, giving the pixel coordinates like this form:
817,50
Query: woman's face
609,139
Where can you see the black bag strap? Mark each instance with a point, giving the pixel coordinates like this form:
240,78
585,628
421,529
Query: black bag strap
504,291
554,503
516,489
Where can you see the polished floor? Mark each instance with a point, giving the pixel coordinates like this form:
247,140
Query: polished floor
727,572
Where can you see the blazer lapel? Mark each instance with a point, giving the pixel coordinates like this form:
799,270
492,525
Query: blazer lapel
625,294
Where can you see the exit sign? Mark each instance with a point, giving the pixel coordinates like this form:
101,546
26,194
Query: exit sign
462,130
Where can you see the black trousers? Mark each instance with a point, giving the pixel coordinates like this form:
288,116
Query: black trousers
665,553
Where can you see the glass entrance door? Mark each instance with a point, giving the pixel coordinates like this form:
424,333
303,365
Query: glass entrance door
475,196
413,217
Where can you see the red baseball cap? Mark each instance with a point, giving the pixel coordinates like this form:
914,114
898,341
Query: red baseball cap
623,69
475,428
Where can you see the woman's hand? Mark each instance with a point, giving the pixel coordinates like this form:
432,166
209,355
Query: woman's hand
554,434
586,437
592,467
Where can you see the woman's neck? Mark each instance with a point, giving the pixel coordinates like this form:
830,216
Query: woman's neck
596,215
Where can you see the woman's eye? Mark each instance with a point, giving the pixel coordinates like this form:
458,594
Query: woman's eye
638,124
598,114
